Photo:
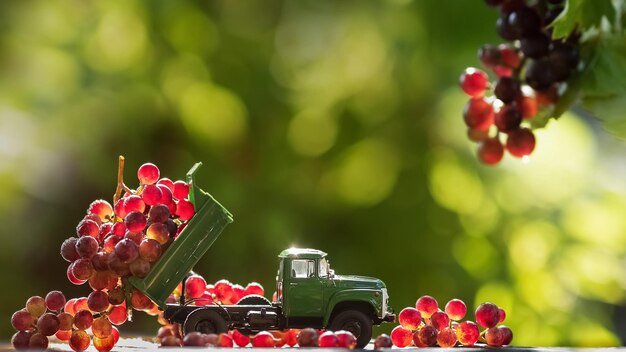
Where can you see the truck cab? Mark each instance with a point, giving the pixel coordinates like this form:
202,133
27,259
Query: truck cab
310,294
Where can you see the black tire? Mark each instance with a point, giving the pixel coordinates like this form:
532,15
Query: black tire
357,323
254,300
205,321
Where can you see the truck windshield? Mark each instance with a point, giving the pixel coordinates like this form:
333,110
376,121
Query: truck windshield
323,268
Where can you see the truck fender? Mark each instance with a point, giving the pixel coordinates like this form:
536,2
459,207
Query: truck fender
366,296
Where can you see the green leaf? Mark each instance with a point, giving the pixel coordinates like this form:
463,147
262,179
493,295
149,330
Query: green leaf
611,111
582,15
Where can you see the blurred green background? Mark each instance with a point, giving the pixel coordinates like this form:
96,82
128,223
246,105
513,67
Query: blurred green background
327,124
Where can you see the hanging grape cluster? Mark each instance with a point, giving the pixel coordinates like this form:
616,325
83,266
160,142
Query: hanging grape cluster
531,71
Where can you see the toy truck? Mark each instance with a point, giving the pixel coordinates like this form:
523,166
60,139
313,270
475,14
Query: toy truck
309,293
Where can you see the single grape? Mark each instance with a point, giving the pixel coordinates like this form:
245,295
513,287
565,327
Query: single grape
328,339
345,339
167,183
38,341
88,228
159,233
87,247
502,314
401,337
279,338
474,82
525,21
264,339
446,338
68,249
507,334
184,210
118,315
140,301
116,334
254,288
119,229
507,89
139,267
93,217
71,277
36,306
306,338
540,74
171,341
48,324
166,195
22,320
135,221
520,142
427,336
151,195
66,320
487,315
116,296
240,339
194,339
181,190
440,320
63,335
478,114
118,266
508,118
410,318
490,151
136,237
528,106
98,301
467,333
291,338
83,319
134,203
126,250
489,55
238,293
224,340
21,340
150,250
100,262
194,286
81,304
104,344
82,269
79,341
101,208
148,174
108,245
427,306
159,213
505,30
509,55
456,309
69,306
382,341
101,327
119,209
172,228
211,340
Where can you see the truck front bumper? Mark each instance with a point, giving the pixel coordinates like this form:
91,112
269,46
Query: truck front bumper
390,318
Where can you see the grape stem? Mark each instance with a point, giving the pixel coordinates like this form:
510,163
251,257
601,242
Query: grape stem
120,180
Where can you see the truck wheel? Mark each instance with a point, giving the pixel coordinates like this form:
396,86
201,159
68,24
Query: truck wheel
205,321
254,300
357,323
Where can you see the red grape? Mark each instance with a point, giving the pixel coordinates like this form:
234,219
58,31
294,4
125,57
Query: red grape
502,315
83,319
507,89
181,190
101,327
135,221
22,320
36,306
507,334
148,174
117,266
119,229
151,195
194,286
254,288
328,339
446,338
401,337
224,340
63,335
456,309
478,114
69,306
68,249
528,106
79,341
159,233
126,250
467,333
224,290
474,82
104,344
119,209
167,183
66,320
140,267
238,293
195,339
508,118
520,142
184,210
48,324
81,304
159,213
87,247
487,315
150,250
136,237
427,306
109,243
166,195
410,318
264,339
100,262
510,56
116,334
440,320
116,296
117,315
345,339
490,151
171,341
307,337
21,340
88,228
101,208
140,301
240,339
382,341
427,336
98,301
211,339
38,341
134,203
291,338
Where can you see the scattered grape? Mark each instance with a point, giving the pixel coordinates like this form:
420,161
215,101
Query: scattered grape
382,341
307,337
265,339
401,337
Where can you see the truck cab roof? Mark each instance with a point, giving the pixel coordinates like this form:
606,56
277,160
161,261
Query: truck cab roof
304,253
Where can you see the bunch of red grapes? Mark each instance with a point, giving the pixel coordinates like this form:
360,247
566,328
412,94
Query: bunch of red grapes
112,243
531,70
426,325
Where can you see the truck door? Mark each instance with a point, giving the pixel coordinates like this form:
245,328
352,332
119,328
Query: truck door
304,292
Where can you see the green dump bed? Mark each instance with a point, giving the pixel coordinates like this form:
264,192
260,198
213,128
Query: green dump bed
190,245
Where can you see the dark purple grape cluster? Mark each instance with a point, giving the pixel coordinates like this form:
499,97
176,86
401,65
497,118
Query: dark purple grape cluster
531,71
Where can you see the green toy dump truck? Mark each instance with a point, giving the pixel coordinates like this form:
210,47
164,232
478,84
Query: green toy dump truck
309,294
